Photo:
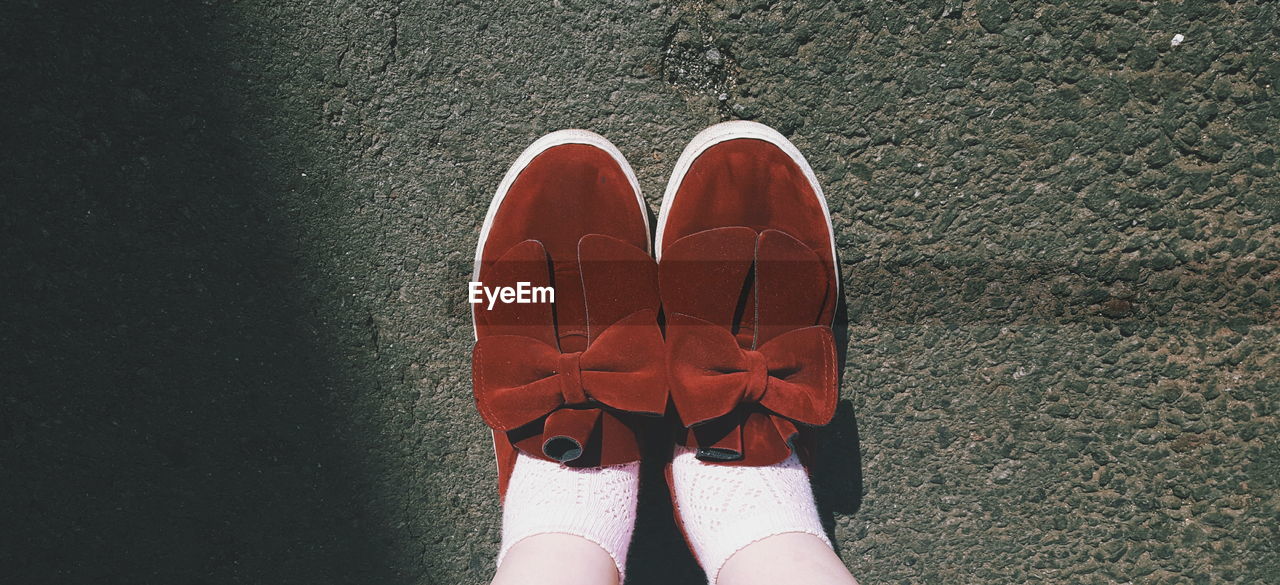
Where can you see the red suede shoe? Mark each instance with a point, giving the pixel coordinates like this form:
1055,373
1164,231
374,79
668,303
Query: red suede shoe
747,271
568,380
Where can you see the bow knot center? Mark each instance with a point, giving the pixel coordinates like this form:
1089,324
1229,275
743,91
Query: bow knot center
570,370
757,377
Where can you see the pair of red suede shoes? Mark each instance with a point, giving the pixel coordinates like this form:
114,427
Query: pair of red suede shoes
745,284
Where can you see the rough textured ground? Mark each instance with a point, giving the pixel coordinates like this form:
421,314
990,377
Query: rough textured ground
236,236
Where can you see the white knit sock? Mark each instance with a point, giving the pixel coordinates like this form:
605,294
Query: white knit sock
724,508
598,504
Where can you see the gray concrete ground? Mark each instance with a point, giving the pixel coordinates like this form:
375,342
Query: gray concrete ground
237,236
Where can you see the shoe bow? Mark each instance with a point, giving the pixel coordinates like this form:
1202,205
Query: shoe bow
521,380
792,376
791,379
573,406
742,395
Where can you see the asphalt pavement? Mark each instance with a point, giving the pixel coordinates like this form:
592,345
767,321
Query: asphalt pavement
237,238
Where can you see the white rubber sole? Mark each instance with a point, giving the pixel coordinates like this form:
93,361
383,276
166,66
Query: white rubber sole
539,146
729,131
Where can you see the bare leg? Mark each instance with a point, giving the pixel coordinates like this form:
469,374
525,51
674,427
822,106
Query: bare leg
784,559
556,559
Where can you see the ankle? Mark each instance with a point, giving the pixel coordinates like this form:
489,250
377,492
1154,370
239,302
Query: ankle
597,504
724,509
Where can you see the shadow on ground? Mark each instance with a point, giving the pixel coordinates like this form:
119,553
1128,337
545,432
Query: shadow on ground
837,469
166,414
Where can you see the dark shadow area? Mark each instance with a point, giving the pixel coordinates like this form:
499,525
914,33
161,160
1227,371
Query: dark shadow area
659,555
837,473
164,415
837,470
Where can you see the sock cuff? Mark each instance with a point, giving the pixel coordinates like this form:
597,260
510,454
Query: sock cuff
596,504
723,509
739,535
614,540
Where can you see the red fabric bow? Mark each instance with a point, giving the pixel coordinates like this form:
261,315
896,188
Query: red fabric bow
519,380
574,407
747,358
791,379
